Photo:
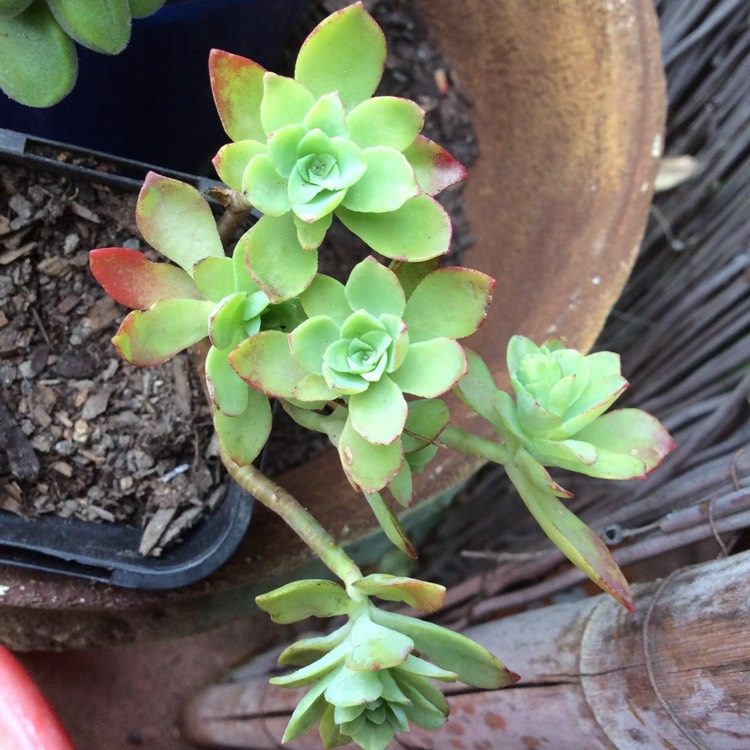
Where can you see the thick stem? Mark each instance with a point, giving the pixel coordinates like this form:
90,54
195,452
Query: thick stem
302,522
473,445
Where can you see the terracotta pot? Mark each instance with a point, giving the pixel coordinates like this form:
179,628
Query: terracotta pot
569,113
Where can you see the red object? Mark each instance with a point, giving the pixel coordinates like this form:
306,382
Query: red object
27,722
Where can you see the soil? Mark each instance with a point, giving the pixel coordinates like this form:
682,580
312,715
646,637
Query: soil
82,434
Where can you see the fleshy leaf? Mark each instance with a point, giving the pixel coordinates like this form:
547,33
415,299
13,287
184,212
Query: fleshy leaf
373,287
136,282
309,710
629,442
567,454
244,435
265,188
307,650
431,368
368,466
434,167
402,486
38,59
310,340
375,647
265,361
427,418
302,599
477,388
469,293
214,277
472,663
422,595
326,296
311,233
141,337
327,114
175,219
352,688
227,390
419,230
379,413
237,85
285,102
570,535
385,121
328,664
276,260
225,321
349,35
231,161
390,524
595,400
386,185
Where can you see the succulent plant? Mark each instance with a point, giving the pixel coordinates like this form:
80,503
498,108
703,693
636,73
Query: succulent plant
38,60
558,415
205,295
368,344
309,147
366,681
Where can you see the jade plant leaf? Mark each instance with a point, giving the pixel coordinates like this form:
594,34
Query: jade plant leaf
350,34
570,535
136,282
302,599
175,219
422,595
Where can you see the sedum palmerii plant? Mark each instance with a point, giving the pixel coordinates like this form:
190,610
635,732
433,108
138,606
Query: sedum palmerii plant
364,362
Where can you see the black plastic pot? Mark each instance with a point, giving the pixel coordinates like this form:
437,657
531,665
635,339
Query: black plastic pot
152,102
109,552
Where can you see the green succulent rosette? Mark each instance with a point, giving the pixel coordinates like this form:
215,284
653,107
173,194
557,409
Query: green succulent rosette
366,681
558,414
308,147
368,345
206,294
558,419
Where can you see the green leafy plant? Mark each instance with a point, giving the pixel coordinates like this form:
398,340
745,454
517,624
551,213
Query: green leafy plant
38,59
364,362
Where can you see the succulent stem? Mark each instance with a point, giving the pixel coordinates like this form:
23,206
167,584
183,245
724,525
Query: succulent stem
303,523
